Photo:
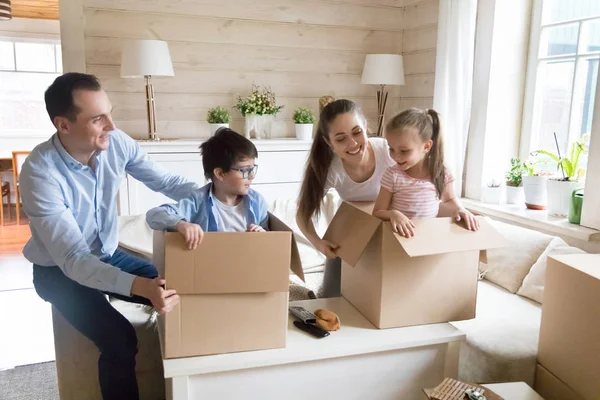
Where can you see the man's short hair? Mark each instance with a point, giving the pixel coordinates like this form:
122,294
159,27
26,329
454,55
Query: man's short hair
224,149
59,95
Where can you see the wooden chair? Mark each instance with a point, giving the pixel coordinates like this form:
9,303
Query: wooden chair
18,158
5,192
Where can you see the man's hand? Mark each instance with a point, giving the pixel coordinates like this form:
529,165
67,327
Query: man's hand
162,300
255,228
192,233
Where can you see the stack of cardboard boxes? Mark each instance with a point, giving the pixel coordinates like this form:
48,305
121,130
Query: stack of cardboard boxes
234,286
569,347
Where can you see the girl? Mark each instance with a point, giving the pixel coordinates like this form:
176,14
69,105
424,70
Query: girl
415,185
343,158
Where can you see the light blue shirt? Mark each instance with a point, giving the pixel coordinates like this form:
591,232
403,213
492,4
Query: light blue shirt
72,207
200,208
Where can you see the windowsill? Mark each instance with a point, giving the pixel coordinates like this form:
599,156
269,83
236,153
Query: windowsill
532,219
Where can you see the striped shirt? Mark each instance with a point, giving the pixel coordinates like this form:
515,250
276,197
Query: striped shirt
415,198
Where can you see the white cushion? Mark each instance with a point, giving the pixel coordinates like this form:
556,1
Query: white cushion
502,340
534,282
507,266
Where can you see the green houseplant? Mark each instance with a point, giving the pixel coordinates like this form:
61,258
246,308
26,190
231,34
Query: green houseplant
218,117
514,181
560,189
304,119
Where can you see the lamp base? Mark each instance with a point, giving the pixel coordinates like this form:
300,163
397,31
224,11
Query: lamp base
382,96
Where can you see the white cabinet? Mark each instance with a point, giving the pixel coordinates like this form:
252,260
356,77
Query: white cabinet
281,167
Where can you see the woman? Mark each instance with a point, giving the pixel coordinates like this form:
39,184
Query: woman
342,157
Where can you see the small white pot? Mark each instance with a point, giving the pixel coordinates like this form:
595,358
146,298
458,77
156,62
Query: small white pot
559,196
515,195
304,131
535,192
491,195
215,127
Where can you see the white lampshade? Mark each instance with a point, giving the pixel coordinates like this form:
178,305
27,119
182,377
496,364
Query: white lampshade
146,57
383,69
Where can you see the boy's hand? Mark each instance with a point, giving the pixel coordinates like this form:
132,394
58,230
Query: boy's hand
470,220
192,233
402,224
255,228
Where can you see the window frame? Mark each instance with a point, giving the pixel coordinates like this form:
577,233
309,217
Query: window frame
529,139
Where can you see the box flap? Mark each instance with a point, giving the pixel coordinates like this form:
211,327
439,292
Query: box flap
351,229
442,235
229,262
275,224
587,263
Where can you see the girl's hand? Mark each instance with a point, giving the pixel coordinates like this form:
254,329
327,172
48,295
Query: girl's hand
255,228
470,220
192,233
327,248
402,224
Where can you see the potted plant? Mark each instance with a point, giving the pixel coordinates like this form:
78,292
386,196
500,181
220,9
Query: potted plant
492,192
218,117
561,188
304,120
534,187
259,110
514,182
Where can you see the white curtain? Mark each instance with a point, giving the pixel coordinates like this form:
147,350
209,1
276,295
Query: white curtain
454,80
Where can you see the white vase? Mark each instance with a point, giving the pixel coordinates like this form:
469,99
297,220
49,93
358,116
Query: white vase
491,195
559,196
535,192
304,131
259,126
215,127
515,195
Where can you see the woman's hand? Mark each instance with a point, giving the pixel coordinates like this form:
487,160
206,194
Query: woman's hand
402,224
327,248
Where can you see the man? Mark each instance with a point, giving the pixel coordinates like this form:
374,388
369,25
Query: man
69,186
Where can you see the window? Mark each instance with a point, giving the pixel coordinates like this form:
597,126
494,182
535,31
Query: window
27,68
562,74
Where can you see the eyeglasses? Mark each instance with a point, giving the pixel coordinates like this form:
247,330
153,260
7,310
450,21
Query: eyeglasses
248,171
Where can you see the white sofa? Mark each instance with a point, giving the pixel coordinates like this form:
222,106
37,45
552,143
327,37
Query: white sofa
502,340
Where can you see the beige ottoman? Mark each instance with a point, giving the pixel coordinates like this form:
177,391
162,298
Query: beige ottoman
77,357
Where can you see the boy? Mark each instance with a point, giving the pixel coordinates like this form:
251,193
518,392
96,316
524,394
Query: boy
227,204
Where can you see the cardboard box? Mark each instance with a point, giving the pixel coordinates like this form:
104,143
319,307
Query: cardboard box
233,288
551,388
569,345
394,281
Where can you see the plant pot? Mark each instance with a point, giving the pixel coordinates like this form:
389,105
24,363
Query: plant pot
559,196
515,194
535,192
259,126
491,195
304,131
215,127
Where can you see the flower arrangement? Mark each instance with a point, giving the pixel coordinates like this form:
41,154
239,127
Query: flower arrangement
260,102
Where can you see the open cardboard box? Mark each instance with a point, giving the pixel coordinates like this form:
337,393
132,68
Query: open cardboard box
396,281
233,288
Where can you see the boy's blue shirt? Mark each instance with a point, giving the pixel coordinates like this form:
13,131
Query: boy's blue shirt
199,208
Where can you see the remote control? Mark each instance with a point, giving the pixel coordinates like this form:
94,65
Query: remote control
311,329
303,314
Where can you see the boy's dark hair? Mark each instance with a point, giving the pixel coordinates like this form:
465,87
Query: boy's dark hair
59,95
224,149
